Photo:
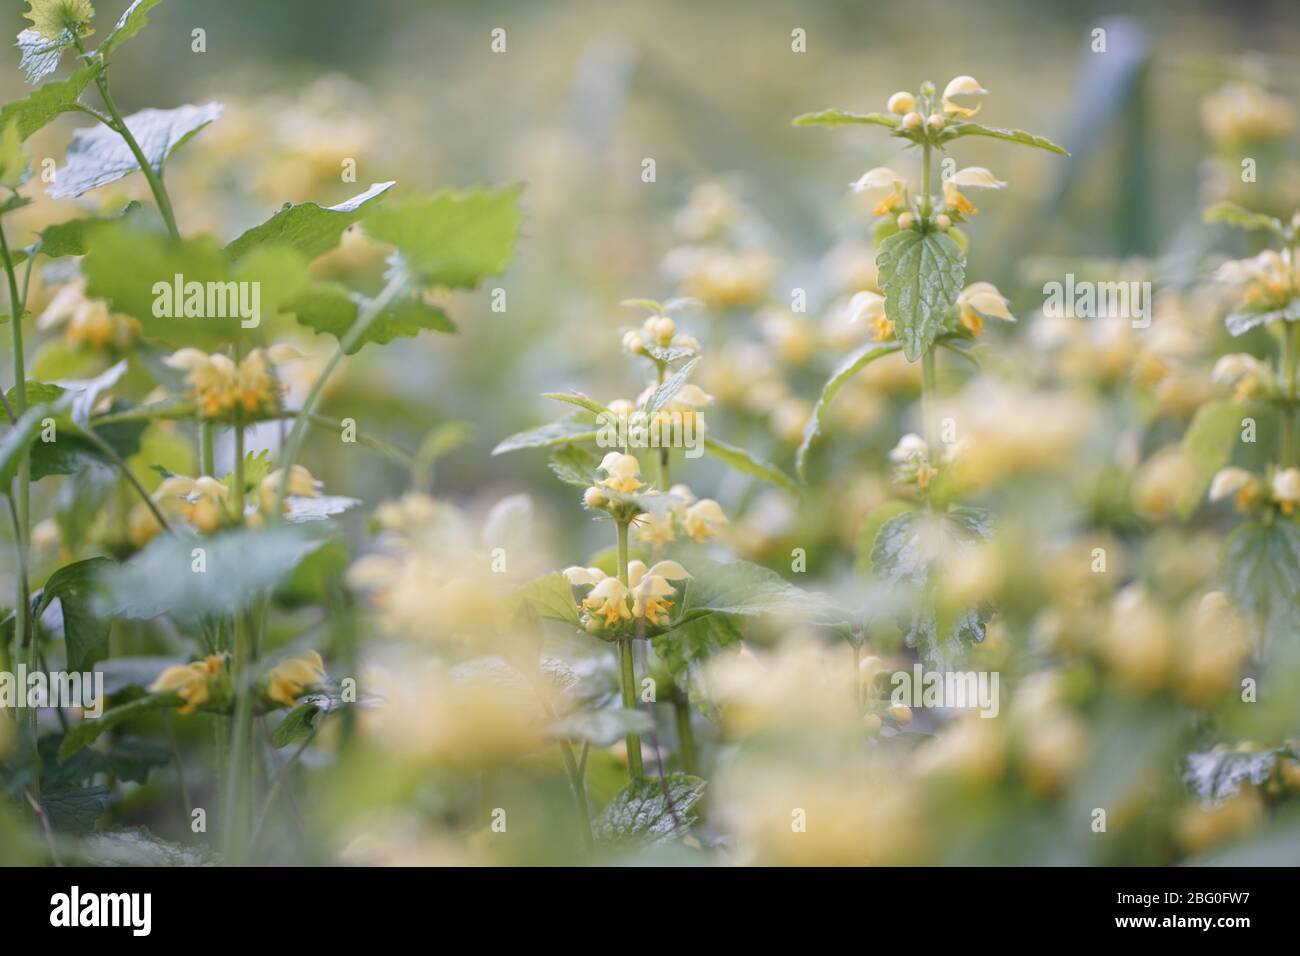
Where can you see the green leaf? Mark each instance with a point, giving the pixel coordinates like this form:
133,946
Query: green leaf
687,649
1208,445
13,161
1233,215
566,432
69,238
601,728
921,274
332,309
185,576
1261,569
748,590
310,229
651,811
577,398
1239,323
452,239
834,118
552,598
847,369
906,551
132,21
85,733
135,270
44,104
296,726
85,634
575,466
17,441
741,460
1009,135
664,393
98,156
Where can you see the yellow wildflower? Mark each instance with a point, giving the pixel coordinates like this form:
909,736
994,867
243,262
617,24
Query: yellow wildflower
287,680
189,682
1286,489
622,473
979,300
885,184
703,519
652,590
961,86
971,177
606,605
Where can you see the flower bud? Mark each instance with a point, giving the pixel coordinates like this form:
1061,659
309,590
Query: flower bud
936,121
593,497
662,328
943,222
632,342
901,102
900,714
912,121
905,220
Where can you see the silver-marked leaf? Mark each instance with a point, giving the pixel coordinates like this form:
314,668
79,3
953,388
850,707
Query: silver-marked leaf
1261,568
650,811
1239,323
39,55
566,432
98,156
922,274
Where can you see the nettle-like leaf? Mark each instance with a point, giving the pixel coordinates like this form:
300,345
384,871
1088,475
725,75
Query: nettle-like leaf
85,633
906,551
741,588
86,732
922,275
98,156
552,598
855,362
332,308
69,238
306,227
128,266
134,19
185,575
136,846
651,811
1009,135
664,393
1261,569
575,466
834,118
1208,445
1231,214
687,649
1239,323
565,432
739,459
451,239
44,104
1219,774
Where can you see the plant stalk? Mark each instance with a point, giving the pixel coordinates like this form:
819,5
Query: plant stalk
627,669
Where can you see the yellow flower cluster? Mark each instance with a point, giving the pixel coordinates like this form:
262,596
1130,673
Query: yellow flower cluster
88,323
221,389
192,683
286,681
610,603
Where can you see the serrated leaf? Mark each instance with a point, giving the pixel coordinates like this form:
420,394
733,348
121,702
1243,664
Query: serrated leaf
44,104
1009,135
98,156
663,394
834,118
552,598
745,589
921,274
1233,215
309,229
743,461
1261,569
332,309
650,811
687,649
296,726
574,465
237,566
1208,445
134,19
136,846
565,432
69,238
451,239
577,398
839,378
85,633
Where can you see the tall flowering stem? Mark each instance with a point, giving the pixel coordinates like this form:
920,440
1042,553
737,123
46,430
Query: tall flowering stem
635,768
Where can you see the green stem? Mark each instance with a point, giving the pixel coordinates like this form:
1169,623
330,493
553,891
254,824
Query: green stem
118,125
238,795
1289,394
207,449
635,769
22,500
685,733
297,434
928,394
111,454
